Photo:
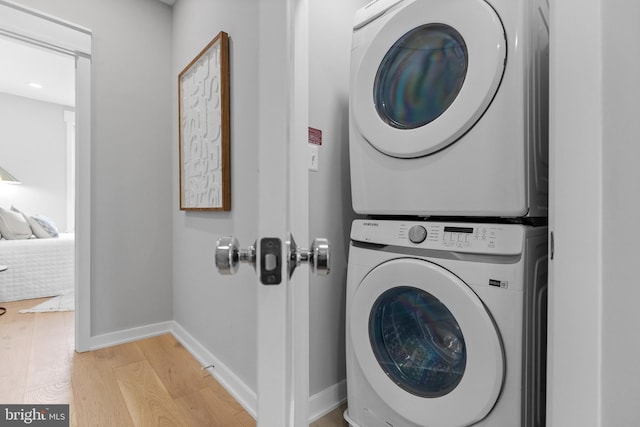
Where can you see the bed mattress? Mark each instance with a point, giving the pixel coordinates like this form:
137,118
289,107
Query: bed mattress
36,267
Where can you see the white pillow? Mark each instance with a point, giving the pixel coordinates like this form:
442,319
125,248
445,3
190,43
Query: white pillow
13,226
43,227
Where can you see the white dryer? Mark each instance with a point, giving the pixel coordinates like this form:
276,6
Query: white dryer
448,108
446,324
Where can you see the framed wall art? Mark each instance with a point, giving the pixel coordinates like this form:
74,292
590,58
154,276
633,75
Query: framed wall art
204,134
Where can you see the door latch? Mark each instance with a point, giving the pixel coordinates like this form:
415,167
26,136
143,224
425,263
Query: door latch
229,256
270,261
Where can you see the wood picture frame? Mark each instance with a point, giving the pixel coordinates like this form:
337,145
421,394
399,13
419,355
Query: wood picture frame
204,129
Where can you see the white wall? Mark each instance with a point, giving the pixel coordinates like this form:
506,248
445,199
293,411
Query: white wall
620,204
330,28
33,148
220,311
132,127
594,128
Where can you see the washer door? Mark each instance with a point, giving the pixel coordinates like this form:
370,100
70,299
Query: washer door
426,344
428,75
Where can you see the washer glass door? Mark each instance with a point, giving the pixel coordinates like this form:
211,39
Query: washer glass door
426,343
417,341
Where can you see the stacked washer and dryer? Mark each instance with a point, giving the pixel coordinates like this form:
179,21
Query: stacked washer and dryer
447,273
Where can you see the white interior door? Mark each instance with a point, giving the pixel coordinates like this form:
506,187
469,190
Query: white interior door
283,301
283,367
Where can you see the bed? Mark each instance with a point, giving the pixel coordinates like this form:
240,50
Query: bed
36,267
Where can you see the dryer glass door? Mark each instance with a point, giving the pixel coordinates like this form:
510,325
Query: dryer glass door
420,76
426,75
417,341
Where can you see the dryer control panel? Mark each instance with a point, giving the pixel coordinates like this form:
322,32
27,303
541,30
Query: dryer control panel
502,239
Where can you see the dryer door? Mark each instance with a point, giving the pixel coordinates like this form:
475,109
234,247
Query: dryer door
426,344
428,76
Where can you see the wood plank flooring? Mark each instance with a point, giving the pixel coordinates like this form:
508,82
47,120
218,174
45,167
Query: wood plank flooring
147,383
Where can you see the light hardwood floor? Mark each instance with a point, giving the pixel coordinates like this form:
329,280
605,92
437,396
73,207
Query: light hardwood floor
147,383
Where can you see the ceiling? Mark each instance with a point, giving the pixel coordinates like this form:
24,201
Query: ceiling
23,64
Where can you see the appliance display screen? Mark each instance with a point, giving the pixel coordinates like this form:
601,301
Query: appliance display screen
459,230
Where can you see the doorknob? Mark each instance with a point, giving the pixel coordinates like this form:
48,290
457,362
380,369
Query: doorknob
229,255
317,256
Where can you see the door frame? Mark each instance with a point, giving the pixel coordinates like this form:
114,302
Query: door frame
33,27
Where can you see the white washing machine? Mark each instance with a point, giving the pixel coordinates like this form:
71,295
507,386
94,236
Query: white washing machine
448,108
446,324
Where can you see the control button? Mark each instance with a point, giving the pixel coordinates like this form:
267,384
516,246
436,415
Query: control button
417,234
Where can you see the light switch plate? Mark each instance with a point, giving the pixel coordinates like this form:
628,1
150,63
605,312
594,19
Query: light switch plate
314,161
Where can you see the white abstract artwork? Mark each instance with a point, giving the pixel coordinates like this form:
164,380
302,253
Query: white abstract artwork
204,129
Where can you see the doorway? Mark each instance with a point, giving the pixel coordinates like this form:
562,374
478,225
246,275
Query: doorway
61,39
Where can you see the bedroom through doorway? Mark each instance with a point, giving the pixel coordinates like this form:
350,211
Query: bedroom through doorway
37,212
45,106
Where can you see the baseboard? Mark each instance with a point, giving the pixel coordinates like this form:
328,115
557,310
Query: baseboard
327,400
230,381
320,403
128,335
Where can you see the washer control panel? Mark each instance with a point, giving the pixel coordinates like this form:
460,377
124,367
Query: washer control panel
505,239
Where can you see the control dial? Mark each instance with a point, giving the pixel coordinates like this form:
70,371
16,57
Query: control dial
417,234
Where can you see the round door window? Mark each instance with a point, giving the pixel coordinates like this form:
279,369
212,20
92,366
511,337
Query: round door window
417,341
420,76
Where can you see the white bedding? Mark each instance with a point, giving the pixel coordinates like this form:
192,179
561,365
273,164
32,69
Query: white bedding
36,267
